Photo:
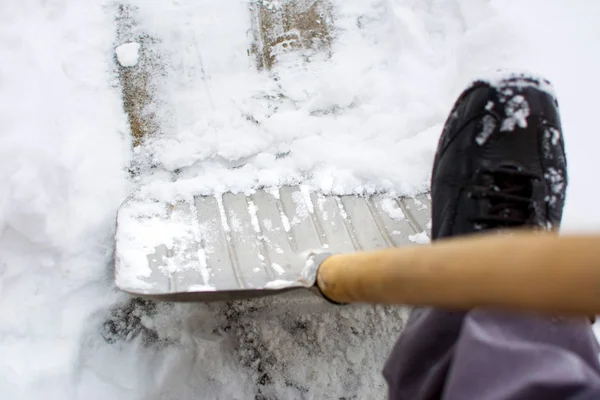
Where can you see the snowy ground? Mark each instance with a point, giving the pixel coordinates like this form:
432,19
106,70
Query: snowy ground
366,118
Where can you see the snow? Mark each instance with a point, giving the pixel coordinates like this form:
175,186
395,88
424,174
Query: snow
392,209
420,238
517,110
280,284
128,54
367,119
489,125
252,210
62,158
277,268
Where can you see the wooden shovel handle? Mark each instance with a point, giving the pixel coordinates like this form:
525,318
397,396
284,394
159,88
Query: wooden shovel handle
527,271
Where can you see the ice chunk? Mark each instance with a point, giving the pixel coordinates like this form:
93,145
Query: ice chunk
128,54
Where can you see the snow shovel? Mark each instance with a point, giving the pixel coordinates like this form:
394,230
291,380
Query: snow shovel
234,246
350,249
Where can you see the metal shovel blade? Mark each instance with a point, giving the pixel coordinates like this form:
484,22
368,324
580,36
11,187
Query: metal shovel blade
236,246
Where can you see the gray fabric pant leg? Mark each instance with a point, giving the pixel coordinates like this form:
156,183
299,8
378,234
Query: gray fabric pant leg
493,355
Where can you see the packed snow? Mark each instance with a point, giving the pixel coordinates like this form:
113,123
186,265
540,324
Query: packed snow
392,209
365,119
517,111
420,238
128,54
489,125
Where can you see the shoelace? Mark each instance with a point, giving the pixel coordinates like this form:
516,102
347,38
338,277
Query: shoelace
509,192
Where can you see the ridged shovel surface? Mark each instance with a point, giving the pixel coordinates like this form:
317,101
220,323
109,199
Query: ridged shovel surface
234,246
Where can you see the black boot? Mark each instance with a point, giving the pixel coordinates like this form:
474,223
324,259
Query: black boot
500,160
500,163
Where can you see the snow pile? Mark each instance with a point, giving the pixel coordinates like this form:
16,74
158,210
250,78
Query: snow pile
367,118
324,122
61,172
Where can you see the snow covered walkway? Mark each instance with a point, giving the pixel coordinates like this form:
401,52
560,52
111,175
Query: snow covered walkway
362,114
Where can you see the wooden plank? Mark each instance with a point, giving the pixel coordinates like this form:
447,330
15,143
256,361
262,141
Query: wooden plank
302,26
